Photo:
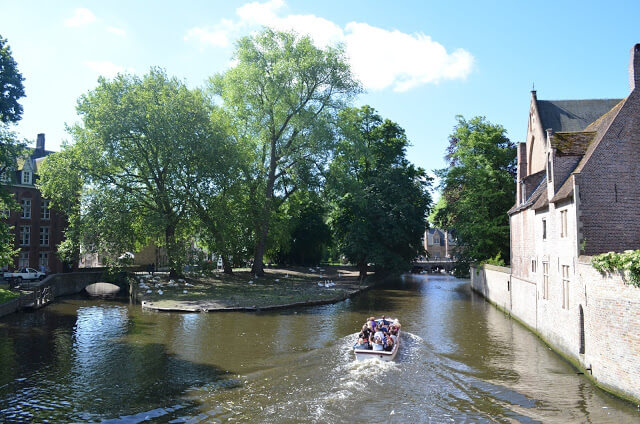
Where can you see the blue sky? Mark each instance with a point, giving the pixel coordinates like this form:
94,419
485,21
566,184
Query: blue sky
422,62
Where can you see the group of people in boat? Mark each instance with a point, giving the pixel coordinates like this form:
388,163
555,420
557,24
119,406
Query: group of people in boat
378,335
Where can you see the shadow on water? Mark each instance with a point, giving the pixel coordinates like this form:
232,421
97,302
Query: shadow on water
81,369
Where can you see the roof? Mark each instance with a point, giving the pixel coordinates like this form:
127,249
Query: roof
565,191
536,195
572,115
572,143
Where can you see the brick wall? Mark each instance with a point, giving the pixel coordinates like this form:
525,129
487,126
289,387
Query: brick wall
610,192
611,319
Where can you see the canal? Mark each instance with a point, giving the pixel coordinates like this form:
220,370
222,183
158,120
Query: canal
461,360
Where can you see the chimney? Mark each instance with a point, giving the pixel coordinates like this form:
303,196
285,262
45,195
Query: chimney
634,67
40,142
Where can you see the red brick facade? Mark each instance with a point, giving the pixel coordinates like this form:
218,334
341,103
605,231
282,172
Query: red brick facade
38,229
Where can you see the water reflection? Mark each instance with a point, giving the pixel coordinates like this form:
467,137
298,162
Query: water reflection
461,360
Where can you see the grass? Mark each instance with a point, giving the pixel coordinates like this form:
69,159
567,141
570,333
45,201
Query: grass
7,295
242,289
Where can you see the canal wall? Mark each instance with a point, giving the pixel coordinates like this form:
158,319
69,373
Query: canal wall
597,328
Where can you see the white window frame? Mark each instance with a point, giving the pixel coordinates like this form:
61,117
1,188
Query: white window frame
23,260
43,259
545,280
27,177
534,265
25,204
44,236
45,212
25,235
565,286
564,227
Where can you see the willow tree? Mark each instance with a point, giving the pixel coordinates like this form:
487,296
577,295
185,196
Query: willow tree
124,166
284,93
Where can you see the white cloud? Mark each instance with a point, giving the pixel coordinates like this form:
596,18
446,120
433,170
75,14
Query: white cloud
380,58
105,68
80,17
117,31
213,37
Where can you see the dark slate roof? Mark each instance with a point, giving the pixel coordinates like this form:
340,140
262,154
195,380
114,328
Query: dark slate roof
572,115
572,143
539,193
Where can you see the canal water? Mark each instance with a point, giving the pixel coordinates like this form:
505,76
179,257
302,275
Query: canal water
460,360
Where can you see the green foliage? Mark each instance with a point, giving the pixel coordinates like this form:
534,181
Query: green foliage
308,234
7,295
282,97
120,182
379,199
11,91
496,260
478,188
11,88
627,261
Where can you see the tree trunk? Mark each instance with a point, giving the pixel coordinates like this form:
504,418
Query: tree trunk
362,267
170,242
263,227
226,265
258,257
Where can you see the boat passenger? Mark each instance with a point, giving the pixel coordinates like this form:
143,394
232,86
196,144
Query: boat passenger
384,321
365,333
362,344
377,344
372,324
388,346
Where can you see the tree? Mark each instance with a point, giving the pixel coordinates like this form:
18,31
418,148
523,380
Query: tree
11,88
283,93
380,200
307,234
124,169
478,188
11,91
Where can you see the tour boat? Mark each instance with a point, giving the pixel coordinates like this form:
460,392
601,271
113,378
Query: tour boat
364,354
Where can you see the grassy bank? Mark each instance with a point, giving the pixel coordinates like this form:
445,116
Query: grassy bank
243,290
7,295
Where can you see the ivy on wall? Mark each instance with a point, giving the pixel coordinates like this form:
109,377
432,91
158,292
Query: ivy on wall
626,263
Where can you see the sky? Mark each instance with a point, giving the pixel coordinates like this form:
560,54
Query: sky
421,62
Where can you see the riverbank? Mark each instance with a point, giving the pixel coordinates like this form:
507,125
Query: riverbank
242,291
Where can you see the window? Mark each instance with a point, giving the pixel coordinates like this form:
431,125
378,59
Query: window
544,229
45,212
26,208
545,280
534,265
43,261
549,172
565,286
24,259
563,223
44,236
25,235
26,177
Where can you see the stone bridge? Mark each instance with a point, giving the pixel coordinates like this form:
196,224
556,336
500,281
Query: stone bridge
431,266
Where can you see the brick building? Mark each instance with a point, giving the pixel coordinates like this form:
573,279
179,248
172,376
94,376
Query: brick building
439,244
38,228
578,195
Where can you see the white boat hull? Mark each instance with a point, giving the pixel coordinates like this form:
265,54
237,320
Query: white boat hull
365,354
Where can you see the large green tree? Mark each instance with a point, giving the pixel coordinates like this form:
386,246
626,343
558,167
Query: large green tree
283,93
123,171
478,188
11,91
380,199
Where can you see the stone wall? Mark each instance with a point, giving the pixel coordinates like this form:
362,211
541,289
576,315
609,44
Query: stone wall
599,331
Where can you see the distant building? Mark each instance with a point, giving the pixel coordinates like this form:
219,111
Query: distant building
439,244
38,228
